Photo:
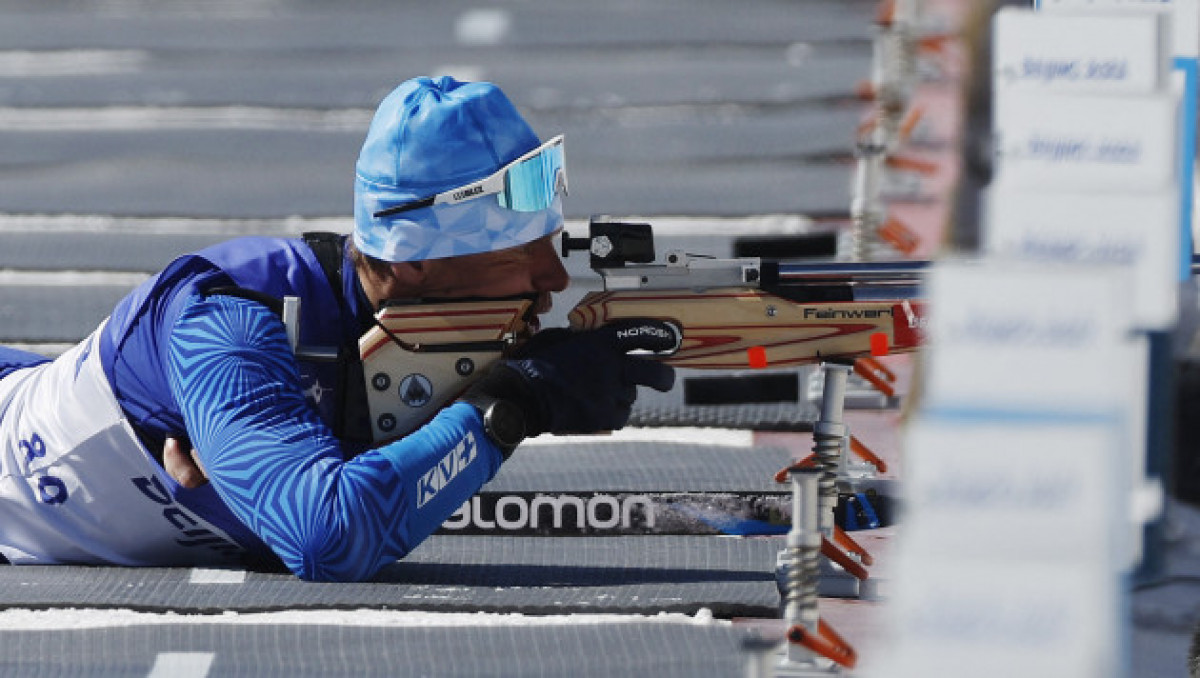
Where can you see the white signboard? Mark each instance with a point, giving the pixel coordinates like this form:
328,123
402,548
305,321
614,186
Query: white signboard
1016,337
1134,231
1001,619
1087,142
1067,54
1018,481
989,581
1185,17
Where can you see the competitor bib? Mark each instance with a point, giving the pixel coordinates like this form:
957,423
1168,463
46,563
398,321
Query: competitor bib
76,484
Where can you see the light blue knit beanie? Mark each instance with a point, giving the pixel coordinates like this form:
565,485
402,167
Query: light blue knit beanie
430,136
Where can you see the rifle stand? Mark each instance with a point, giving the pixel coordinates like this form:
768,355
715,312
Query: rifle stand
812,647
840,573
867,212
868,388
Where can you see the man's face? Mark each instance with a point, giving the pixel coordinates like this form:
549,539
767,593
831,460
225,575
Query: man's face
534,268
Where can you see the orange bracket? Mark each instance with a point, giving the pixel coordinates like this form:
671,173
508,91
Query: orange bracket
879,368
934,43
911,164
825,642
841,538
898,236
850,565
863,370
910,122
867,454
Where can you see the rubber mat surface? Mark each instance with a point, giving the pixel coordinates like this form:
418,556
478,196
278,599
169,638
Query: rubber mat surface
673,409
628,649
588,464
532,575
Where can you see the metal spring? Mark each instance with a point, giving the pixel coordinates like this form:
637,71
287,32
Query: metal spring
893,90
827,453
864,235
900,51
804,567
865,211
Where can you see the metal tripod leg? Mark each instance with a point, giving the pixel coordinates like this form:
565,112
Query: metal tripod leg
813,648
829,436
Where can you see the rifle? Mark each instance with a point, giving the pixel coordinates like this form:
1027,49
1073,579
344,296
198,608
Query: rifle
727,314
745,312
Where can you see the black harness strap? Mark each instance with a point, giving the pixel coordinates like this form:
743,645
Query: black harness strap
352,421
328,248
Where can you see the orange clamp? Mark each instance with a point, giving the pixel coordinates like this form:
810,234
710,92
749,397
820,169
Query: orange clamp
910,122
899,236
934,43
832,552
867,454
843,539
879,368
878,382
911,164
825,642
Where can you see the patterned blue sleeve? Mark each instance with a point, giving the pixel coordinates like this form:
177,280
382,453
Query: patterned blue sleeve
279,468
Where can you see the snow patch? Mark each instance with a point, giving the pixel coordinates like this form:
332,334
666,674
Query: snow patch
74,619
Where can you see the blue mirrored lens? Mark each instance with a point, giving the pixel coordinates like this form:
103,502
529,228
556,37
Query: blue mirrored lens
530,185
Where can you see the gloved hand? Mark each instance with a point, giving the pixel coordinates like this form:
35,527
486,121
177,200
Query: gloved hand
582,382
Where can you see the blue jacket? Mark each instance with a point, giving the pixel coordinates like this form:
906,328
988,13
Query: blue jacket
218,369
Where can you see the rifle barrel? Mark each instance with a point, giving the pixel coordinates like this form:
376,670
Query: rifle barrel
852,272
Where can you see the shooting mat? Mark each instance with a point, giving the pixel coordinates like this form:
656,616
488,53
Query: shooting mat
581,650
502,573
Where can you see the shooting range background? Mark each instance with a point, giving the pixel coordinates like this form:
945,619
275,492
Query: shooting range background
133,131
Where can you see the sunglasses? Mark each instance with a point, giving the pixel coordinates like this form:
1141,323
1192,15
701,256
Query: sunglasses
527,184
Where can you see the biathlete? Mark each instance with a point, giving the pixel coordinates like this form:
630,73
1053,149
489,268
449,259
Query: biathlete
96,446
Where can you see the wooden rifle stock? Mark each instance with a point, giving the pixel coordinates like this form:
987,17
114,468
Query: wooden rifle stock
739,313
733,314
420,357
737,328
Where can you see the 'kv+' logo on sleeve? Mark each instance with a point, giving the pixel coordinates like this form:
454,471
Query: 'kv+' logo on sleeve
446,470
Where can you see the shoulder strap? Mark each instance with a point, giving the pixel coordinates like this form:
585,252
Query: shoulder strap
328,248
351,413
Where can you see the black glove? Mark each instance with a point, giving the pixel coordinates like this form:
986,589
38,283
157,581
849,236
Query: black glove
581,382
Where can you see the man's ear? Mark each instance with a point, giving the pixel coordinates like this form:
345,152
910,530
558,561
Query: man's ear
410,274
